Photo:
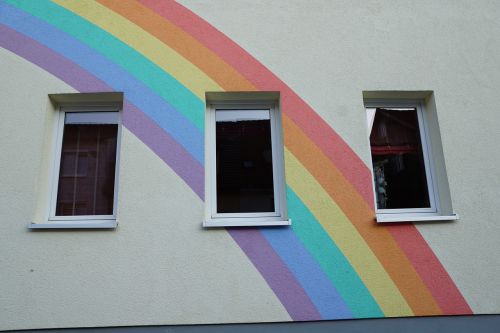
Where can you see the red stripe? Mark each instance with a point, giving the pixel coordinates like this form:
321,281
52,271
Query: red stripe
408,238
310,122
429,268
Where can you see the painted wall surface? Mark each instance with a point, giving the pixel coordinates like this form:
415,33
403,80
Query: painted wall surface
159,266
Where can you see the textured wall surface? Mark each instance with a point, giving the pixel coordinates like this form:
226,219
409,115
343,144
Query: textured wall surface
331,51
160,266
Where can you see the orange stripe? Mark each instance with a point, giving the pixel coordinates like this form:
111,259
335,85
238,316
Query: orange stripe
318,130
430,269
357,210
359,213
207,61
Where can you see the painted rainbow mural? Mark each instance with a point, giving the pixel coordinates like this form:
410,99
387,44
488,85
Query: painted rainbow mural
334,262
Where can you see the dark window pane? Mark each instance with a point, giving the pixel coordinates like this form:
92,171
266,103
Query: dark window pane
244,165
87,170
398,161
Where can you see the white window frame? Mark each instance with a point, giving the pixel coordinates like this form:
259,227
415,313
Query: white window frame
431,213
214,219
88,115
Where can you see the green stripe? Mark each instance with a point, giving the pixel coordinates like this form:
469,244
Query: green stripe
163,84
331,259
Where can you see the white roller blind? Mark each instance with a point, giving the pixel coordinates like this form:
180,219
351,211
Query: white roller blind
91,118
241,115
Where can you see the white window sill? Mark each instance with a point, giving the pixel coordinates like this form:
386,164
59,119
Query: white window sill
242,222
384,218
76,224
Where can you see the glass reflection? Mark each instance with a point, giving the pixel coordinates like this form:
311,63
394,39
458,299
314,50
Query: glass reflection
244,161
398,161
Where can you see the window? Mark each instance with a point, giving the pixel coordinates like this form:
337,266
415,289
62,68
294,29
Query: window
84,189
244,162
403,174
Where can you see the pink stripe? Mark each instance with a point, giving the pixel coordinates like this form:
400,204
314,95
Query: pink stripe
255,246
430,269
408,238
311,123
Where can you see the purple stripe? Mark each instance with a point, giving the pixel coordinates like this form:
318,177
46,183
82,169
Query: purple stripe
280,279
52,62
165,147
135,120
251,241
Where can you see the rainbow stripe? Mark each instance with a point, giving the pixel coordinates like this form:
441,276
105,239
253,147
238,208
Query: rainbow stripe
334,262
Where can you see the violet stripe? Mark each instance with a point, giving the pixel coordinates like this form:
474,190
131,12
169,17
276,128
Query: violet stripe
279,278
50,61
135,120
277,275
165,147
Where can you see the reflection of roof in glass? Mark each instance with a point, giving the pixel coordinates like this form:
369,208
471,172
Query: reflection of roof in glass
395,128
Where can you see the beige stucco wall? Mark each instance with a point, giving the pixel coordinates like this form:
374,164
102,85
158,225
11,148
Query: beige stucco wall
157,267
329,52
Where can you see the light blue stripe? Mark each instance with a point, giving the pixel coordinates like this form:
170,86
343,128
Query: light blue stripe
180,128
166,86
332,261
307,271
328,256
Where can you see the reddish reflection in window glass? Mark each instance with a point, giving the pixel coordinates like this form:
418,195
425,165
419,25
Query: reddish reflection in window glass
87,170
244,166
398,161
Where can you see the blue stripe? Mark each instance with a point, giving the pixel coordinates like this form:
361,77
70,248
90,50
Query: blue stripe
141,67
168,118
307,271
332,261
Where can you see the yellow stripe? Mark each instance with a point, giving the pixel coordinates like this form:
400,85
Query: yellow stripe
152,48
302,182
345,235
